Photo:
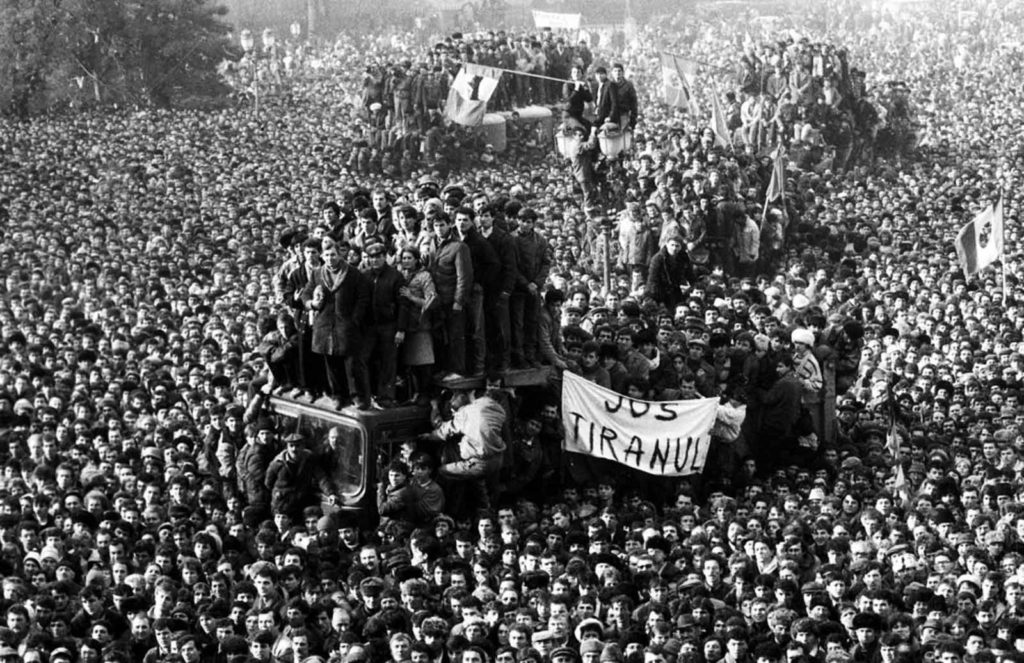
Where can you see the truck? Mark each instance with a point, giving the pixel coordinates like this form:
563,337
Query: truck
366,440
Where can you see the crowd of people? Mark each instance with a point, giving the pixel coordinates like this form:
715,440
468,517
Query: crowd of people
167,270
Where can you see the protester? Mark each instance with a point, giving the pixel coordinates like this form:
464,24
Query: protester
149,511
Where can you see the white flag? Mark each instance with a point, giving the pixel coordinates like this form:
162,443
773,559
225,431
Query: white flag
980,242
468,95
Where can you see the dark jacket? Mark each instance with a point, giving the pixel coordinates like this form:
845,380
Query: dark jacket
505,247
486,265
576,98
451,267
667,273
628,102
385,303
606,104
291,481
294,283
340,318
395,503
251,467
781,407
532,260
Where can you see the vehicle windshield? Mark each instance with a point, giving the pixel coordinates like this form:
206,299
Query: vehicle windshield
346,444
340,439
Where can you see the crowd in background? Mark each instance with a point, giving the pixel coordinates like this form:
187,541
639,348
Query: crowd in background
145,511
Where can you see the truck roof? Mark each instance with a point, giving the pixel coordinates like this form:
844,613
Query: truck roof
325,408
527,377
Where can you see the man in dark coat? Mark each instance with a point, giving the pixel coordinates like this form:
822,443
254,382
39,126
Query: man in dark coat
577,94
340,296
606,100
497,310
781,409
533,262
625,93
311,372
290,478
251,467
670,270
486,271
386,318
451,267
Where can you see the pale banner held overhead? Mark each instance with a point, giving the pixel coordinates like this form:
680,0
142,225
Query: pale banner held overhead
664,438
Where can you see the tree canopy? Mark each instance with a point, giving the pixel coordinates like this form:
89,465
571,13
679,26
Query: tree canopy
130,52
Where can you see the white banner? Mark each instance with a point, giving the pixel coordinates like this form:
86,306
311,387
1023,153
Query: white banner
665,438
557,21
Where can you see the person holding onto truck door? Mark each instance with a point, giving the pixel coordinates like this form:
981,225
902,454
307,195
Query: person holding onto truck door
479,423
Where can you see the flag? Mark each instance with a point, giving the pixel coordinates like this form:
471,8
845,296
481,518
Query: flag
748,43
980,242
723,138
777,184
893,439
675,85
468,95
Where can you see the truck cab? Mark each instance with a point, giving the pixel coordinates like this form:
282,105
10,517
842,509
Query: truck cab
365,441
362,440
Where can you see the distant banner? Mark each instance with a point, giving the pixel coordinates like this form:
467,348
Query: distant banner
664,438
557,21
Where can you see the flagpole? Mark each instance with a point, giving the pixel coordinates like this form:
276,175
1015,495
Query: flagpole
1002,247
775,174
525,73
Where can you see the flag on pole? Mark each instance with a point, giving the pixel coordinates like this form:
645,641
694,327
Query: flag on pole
718,122
748,43
894,438
980,242
468,95
777,184
688,69
675,85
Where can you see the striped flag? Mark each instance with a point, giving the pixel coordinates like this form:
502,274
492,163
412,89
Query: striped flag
468,95
980,242
676,76
718,122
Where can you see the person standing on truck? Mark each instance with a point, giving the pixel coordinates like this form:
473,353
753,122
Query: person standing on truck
533,263
385,329
340,297
479,423
451,268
